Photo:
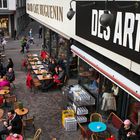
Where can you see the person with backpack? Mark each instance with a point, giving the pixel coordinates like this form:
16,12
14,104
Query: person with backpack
23,43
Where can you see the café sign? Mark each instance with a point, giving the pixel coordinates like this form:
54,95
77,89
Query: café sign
50,11
122,37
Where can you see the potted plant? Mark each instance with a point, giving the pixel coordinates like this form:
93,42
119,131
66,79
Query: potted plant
20,105
44,74
35,61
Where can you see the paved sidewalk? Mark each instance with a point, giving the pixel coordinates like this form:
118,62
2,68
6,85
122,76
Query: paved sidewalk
46,107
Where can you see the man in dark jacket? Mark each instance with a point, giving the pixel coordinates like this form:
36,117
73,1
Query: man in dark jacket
12,125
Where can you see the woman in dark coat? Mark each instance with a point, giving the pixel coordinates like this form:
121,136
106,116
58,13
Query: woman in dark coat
10,64
1,69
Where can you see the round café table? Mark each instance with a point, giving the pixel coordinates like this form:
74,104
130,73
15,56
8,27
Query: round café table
11,137
97,126
22,112
1,113
4,91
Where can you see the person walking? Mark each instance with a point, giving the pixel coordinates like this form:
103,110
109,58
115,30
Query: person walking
23,43
15,34
31,39
30,33
40,31
4,42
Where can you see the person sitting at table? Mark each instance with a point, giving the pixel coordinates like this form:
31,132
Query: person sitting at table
51,66
10,75
12,125
57,78
62,61
126,131
4,82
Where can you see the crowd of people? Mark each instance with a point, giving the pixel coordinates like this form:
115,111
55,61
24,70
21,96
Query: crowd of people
25,41
55,67
7,75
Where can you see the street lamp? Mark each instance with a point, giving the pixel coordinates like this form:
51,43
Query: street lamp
71,12
107,18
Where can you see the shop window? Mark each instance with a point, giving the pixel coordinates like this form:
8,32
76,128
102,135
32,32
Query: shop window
105,92
0,3
3,3
86,74
4,25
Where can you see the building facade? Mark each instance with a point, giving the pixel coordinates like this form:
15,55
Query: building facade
12,16
112,52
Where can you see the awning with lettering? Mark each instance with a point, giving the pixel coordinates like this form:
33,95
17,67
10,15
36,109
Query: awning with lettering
51,28
124,83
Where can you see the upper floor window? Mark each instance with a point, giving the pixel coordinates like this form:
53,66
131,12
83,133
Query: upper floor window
3,3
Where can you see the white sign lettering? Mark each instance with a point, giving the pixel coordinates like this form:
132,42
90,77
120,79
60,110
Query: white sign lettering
124,34
137,45
96,26
128,29
118,29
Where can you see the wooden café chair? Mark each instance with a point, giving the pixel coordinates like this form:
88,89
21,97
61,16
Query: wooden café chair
95,117
36,84
85,133
113,124
28,124
1,113
6,88
36,135
10,100
64,82
94,137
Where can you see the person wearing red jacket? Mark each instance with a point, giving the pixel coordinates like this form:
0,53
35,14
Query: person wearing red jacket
43,54
29,81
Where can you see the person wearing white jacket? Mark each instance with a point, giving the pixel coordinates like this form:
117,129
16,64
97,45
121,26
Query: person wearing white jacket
109,101
4,42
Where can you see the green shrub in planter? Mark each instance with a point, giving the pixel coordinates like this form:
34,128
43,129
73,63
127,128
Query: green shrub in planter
20,105
44,74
